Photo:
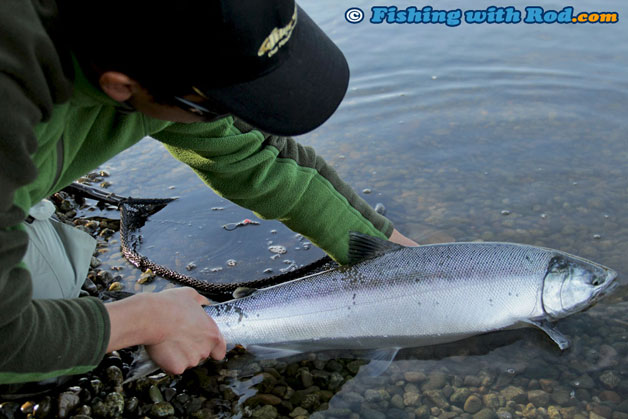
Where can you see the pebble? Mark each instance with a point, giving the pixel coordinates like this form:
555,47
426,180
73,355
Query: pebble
515,394
459,396
68,400
473,404
95,262
366,191
299,411
538,398
435,380
265,412
610,379
485,413
161,410
414,376
584,381
114,376
190,266
146,277
115,286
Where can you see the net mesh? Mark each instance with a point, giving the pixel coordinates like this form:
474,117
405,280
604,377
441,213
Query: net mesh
134,213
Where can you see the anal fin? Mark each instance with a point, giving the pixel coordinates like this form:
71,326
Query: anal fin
380,361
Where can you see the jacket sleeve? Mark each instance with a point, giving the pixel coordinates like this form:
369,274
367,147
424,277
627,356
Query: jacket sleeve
44,338
277,178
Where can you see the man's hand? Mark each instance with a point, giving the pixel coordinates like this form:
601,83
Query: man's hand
397,237
173,326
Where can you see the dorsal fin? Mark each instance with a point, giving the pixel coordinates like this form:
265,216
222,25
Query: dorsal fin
362,246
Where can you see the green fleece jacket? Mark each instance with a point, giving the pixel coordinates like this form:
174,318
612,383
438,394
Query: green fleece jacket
55,127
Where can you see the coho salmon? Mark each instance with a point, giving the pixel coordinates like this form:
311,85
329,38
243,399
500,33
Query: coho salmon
397,297
392,297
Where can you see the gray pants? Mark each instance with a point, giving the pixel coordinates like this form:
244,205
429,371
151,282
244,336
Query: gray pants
58,255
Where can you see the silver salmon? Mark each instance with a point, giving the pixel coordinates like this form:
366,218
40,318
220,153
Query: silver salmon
398,297
394,297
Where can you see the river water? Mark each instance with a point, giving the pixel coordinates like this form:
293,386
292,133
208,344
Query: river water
489,132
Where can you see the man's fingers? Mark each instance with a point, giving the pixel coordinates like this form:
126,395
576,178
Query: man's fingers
219,350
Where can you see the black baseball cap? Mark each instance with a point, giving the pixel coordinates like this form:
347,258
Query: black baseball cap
277,70
264,61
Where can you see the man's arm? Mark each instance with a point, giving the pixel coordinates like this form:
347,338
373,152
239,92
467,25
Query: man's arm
278,179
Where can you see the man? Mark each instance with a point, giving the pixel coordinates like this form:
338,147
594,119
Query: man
80,81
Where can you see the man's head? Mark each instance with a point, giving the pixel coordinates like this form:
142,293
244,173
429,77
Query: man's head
264,61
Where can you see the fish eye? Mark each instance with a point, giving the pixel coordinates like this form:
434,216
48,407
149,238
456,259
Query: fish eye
597,281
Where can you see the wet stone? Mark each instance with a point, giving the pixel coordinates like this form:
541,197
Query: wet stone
161,410
553,412
265,412
334,366
116,286
299,411
491,400
306,378
603,411
146,277
438,398
422,412
436,380
610,379
515,394
27,407
114,375
584,381
610,396
67,402
375,396
473,404
485,413
538,398
131,404
154,394
411,399
472,381
459,396
262,399
414,376
529,411
368,413
43,408
95,262
397,401
354,366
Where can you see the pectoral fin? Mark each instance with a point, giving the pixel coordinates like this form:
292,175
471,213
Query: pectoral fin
380,361
551,331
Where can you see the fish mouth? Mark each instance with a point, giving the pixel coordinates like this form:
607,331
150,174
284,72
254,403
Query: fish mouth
610,284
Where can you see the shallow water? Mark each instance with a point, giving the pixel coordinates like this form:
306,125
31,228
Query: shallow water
478,132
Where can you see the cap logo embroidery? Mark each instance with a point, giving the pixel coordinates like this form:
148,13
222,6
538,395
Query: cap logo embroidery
278,37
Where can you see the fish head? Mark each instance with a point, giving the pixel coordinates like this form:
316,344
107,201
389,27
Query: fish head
573,284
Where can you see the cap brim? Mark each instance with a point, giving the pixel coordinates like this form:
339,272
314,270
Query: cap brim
297,96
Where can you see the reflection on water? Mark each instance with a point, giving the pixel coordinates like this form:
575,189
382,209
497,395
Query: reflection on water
486,132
